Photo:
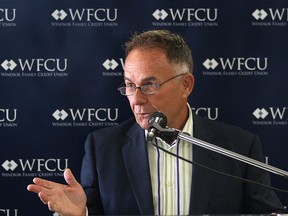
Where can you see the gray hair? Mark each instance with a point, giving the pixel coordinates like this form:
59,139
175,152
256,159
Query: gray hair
177,49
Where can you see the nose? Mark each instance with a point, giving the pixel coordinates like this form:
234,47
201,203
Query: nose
139,97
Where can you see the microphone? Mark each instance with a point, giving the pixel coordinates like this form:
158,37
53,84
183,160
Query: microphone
154,120
158,128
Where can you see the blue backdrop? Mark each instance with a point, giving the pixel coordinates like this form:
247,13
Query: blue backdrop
62,61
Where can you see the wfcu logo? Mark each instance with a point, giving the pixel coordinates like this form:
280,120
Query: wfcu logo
8,212
236,66
185,17
270,116
52,167
209,112
8,117
112,67
8,17
85,17
270,17
35,67
85,117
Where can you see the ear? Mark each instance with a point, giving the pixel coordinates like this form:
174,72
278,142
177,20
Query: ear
188,84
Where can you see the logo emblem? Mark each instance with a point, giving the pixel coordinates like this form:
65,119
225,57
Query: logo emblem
160,14
59,14
260,113
259,14
60,114
9,165
8,65
210,63
110,64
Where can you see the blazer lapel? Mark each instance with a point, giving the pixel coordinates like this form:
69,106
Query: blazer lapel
137,165
202,179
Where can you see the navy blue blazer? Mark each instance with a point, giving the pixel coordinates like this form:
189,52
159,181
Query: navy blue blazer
116,177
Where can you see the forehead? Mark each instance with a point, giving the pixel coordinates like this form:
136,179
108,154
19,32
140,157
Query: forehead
150,62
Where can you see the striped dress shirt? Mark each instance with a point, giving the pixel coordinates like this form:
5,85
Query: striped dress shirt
171,177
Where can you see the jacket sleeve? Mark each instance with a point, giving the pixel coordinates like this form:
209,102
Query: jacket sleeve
259,199
89,178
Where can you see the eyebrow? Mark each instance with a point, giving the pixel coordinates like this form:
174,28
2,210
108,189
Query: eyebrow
150,78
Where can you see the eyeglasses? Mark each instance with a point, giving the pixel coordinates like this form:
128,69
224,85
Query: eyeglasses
148,89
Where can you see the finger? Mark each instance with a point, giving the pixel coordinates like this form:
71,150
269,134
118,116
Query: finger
43,197
39,189
51,206
33,188
70,179
54,207
44,183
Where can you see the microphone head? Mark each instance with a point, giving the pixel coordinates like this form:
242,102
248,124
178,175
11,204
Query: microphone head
158,128
159,117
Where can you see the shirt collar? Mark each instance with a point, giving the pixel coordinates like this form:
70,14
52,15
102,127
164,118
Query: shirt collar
188,127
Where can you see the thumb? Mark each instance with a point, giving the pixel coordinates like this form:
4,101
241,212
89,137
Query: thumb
70,179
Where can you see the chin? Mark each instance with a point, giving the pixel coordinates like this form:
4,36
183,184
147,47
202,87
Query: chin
143,123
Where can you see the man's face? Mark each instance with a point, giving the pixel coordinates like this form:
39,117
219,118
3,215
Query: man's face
146,66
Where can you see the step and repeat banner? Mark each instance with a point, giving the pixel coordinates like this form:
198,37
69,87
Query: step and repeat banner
62,61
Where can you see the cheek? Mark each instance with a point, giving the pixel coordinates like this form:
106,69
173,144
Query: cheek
162,102
168,102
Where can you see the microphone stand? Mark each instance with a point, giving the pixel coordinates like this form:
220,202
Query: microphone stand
232,154
172,133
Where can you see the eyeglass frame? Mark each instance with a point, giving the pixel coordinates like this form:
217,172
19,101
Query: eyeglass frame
152,84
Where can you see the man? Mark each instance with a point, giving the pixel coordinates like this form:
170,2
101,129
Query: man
122,173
